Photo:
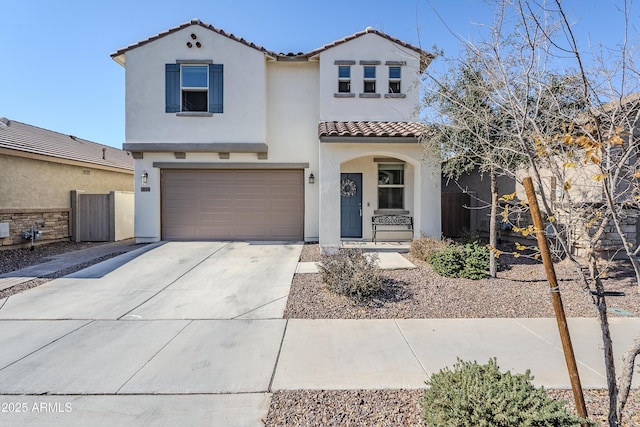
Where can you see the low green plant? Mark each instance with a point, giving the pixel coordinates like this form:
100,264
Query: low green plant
448,262
473,395
470,261
425,246
476,261
350,272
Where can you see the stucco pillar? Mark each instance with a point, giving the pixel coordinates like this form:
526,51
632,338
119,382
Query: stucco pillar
427,181
329,180
147,202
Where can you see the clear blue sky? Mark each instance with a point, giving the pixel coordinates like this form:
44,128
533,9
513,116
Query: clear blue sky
56,72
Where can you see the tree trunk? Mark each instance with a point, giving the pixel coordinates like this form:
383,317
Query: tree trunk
609,363
628,360
493,228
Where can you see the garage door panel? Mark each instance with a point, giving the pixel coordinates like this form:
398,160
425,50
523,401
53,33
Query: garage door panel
232,204
218,204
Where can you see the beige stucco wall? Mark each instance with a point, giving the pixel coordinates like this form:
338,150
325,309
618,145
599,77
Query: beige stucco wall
36,184
292,122
123,215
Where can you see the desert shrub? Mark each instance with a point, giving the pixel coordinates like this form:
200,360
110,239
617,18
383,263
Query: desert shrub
448,262
476,261
480,395
425,246
470,261
350,272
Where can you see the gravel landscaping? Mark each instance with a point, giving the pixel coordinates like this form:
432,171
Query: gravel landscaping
519,291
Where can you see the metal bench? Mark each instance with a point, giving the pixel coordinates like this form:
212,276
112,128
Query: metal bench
406,222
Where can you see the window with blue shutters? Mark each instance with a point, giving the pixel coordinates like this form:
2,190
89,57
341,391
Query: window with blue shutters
194,88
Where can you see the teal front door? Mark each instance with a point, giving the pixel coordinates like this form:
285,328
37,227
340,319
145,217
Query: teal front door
351,205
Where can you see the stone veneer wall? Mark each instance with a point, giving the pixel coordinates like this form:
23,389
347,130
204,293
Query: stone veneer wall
610,243
53,223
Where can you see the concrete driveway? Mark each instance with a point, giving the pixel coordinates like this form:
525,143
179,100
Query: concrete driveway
151,340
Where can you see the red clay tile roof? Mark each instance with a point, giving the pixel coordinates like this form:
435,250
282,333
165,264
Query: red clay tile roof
124,50
371,129
31,139
425,57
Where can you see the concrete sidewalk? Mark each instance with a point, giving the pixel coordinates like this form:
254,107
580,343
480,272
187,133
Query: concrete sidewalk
193,334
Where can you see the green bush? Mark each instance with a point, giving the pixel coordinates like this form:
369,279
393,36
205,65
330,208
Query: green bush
480,395
425,246
448,262
476,261
350,272
470,261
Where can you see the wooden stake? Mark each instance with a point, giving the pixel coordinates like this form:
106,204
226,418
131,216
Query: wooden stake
556,299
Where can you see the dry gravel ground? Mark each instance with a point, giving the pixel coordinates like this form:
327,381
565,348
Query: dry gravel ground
520,291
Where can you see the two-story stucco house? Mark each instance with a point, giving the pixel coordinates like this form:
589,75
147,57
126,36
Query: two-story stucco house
232,141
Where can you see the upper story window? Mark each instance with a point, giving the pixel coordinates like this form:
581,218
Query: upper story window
394,79
369,79
195,88
391,186
344,78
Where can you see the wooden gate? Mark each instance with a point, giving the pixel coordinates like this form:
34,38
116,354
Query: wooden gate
92,220
456,215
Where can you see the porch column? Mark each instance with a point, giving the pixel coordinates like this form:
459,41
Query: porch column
427,198
329,179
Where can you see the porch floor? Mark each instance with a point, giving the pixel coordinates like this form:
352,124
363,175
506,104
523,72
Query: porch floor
367,245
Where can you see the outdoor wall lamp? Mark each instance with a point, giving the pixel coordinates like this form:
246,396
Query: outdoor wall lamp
312,179
144,177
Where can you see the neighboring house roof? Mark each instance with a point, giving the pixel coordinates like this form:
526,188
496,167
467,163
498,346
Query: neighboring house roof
336,131
32,140
425,57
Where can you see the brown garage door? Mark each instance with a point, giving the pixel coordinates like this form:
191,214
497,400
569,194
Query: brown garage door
232,204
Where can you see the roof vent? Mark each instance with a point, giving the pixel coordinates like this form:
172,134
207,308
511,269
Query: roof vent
4,122
73,137
104,152
369,29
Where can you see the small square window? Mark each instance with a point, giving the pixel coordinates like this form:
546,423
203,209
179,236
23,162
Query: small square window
194,100
344,79
195,76
369,72
344,72
394,87
370,86
394,79
390,198
369,79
